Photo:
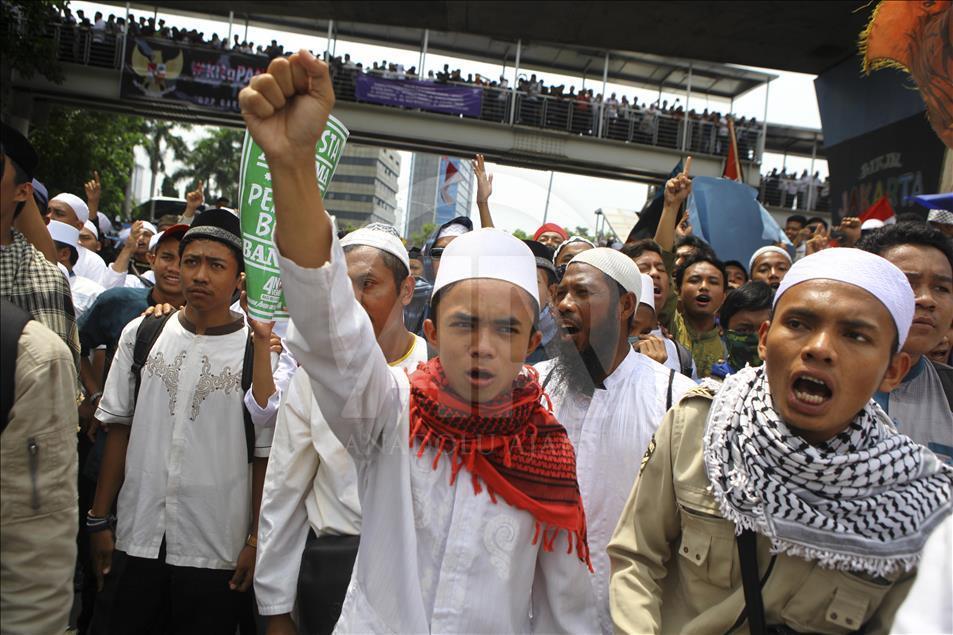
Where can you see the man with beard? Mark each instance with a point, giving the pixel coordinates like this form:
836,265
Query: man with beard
609,397
769,264
921,405
784,500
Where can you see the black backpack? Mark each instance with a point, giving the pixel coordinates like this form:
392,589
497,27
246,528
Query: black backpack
146,336
13,320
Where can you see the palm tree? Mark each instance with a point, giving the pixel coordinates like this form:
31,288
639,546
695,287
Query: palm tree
160,139
216,159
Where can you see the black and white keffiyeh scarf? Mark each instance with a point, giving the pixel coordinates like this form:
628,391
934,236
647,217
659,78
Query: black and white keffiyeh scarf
864,501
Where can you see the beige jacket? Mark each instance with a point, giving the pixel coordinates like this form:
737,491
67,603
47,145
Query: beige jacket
38,501
675,565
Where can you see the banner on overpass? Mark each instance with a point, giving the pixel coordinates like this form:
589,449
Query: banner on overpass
410,93
901,160
163,70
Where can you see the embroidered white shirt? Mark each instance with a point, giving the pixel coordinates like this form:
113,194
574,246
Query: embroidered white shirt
434,557
311,480
188,478
610,432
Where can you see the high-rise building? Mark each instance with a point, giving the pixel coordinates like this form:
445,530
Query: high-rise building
441,188
364,187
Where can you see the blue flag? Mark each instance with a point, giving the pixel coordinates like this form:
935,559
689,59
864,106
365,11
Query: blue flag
727,215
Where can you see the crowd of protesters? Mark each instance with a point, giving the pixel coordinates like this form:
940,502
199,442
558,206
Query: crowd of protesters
788,190
480,435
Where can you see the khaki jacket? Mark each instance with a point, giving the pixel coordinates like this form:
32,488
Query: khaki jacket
38,503
675,564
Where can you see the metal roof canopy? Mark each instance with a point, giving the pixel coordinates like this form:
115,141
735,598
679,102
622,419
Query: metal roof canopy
642,70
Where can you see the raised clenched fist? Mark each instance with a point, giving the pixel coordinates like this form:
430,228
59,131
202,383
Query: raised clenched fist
287,107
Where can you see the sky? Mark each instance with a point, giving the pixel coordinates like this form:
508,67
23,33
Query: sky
519,194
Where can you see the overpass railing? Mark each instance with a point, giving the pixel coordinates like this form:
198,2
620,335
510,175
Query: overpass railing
83,45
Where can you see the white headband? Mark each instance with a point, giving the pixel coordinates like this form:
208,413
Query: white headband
769,249
488,253
615,265
569,241
75,203
379,237
92,228
876,275
63,233
647,297
453,229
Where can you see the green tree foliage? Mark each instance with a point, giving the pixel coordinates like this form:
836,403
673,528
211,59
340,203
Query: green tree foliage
160,138
25,44
519,233
216,160
417,239
169,188
584,232
72,143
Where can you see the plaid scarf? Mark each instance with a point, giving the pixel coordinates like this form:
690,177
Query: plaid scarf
30,281
866,500
514,445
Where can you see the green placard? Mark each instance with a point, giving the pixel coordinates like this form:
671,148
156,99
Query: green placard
262,276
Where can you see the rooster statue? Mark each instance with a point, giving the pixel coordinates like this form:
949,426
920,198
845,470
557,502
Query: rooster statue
916,36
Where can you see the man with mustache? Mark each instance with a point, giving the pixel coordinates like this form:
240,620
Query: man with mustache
921,405
610,397
762,504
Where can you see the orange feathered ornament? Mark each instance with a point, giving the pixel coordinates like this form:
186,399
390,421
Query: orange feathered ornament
916,36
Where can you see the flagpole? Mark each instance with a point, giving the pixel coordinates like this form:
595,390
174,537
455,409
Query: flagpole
548,191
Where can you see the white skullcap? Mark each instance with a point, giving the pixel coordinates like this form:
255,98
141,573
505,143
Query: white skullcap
876,275
149,227
92,228
769,249
871,223
615,265
569,241
453,229
63,233
647,295
379,236
488,253
155,240
76,204
941,216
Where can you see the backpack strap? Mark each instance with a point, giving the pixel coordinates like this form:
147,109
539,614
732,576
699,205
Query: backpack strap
754,604
684,359
671,380
146,336
13,320
247,372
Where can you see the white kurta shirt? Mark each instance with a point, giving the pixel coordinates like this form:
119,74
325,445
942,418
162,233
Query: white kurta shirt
84,291
434,557
610,432
311,480
187,476
90,265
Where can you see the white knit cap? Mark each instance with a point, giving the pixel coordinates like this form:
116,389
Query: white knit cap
876,275
647,295
615,265
569,241
453,229
63,233
769,249
149,227
488,253
379,236
155,240
91,226
941,216
76,204
871,223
